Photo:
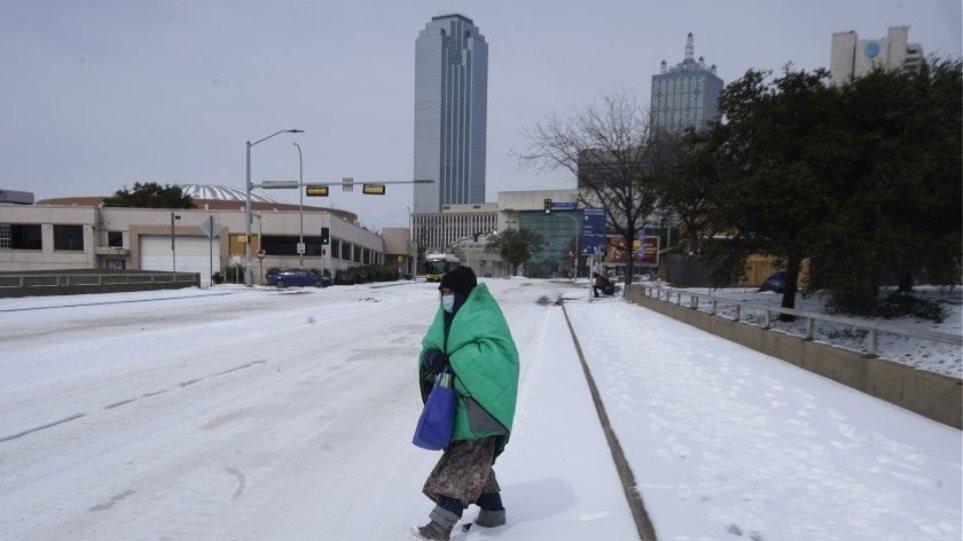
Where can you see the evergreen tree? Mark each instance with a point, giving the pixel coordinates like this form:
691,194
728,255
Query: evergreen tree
514,246
775,157
685,174
150,195
898,210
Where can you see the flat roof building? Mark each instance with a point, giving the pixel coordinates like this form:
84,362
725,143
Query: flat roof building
852,57
80,233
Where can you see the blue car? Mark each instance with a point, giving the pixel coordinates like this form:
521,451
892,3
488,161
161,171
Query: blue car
297,277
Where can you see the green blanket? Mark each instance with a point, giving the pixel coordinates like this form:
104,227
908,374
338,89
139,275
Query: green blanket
483,358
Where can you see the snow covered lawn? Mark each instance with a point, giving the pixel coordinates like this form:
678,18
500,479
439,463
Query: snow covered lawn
941,358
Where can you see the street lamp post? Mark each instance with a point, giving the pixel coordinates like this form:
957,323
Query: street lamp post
248,279
300,207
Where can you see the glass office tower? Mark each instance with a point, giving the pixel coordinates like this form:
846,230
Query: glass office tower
686,95
451,108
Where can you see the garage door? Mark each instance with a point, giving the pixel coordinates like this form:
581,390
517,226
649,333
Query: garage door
193,255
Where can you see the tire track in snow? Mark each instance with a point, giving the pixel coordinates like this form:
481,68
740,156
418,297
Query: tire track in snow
125,402
43,427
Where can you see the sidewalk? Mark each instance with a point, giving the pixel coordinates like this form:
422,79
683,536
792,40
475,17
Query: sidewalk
559,481
727,443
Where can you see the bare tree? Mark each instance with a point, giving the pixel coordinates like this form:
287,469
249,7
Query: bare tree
604,147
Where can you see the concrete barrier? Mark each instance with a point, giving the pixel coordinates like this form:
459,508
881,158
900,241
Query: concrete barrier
931,395
72,282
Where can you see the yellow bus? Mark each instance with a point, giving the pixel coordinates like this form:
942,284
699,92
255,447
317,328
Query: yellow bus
436,265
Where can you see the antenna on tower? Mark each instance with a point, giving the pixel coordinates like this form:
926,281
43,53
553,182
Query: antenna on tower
689,47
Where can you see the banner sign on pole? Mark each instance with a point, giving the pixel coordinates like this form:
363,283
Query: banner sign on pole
647,251
593,231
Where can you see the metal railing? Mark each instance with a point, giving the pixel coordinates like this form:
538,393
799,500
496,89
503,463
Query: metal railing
873,330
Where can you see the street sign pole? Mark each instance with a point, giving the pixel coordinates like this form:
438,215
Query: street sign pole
260,260
591,277
210,255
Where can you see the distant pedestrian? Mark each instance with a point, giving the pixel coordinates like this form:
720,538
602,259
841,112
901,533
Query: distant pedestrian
469,335
603,284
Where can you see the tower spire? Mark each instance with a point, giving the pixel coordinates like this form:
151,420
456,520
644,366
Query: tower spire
689,47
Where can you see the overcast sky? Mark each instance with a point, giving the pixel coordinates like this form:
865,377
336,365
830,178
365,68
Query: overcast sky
96,94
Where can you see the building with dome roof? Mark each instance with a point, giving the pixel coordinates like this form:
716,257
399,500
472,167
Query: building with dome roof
81,233
211,197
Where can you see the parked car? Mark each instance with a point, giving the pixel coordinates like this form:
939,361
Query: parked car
297,277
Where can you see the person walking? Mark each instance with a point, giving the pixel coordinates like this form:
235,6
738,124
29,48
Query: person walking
470,337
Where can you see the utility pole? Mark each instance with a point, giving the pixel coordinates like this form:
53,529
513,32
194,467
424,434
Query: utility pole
300,207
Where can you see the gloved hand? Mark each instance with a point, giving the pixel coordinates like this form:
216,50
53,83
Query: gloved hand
434,361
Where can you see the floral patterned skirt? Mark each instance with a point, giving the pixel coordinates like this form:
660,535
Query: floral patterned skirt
464,471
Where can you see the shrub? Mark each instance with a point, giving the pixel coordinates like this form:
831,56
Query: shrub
345,277
904,304
234,274
365,274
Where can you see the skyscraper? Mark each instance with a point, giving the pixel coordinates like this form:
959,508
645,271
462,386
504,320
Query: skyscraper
686,94
451,109
852,57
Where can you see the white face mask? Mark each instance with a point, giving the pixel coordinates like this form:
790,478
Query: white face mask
448,303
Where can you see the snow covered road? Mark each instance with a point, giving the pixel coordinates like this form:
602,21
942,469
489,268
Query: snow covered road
269,415
262,415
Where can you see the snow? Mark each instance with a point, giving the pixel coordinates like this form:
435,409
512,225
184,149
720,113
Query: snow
932,356
254,414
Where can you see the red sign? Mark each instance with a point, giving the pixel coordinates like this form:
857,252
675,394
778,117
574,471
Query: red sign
261,254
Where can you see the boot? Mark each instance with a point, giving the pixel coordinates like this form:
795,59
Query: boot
435,531
490,519
442,522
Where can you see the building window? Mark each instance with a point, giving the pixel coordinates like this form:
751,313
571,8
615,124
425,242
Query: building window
4,236
69,237
367,256
116,264
287,245
278,245
335,249
356,252
23,237
115,239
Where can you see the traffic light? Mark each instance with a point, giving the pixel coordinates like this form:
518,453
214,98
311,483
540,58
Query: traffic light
316,190
325,236
548,206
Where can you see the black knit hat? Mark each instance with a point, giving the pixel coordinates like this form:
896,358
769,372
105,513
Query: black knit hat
460,280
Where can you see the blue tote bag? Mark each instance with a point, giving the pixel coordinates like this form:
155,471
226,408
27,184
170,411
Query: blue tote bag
434,426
